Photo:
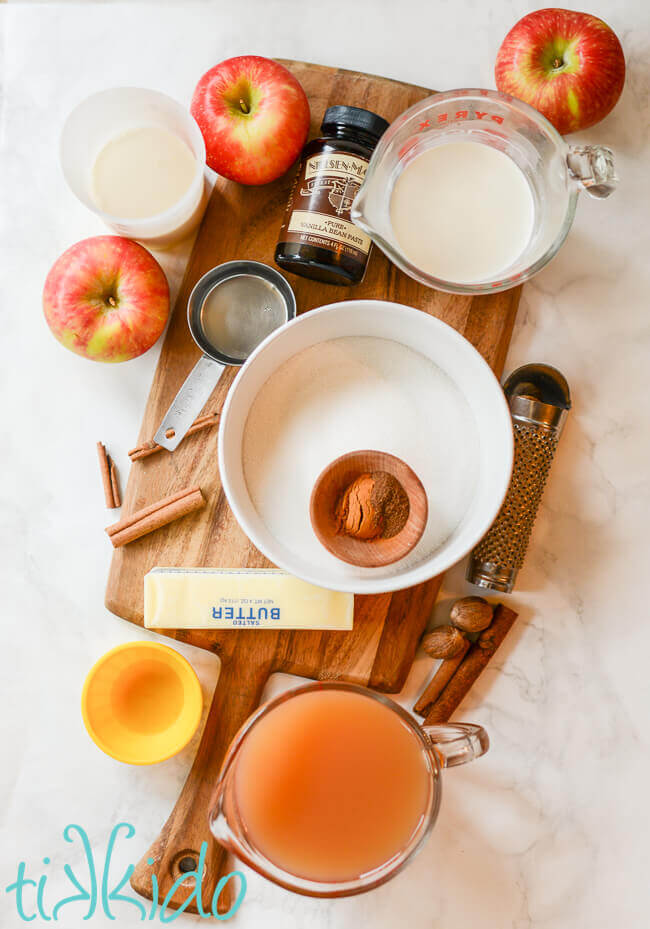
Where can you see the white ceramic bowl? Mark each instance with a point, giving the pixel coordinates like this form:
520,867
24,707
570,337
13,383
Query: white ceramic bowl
436,341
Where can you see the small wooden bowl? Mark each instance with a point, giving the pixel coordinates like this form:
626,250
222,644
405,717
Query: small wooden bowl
366,553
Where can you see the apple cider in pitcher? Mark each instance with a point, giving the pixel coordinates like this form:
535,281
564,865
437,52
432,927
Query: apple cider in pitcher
331,784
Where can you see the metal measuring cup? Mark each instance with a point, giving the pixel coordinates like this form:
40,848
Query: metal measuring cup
249,300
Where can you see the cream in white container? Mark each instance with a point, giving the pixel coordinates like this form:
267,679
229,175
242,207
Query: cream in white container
142,172
489,437
106,143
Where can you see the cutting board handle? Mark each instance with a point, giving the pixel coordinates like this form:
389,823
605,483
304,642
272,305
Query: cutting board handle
176,852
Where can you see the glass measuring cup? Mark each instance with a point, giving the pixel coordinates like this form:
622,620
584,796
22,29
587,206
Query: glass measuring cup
555,171
105,115
438,747
231,309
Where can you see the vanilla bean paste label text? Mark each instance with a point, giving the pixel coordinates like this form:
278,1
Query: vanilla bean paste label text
318,212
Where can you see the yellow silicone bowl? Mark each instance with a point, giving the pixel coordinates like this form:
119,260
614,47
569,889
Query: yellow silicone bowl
141,702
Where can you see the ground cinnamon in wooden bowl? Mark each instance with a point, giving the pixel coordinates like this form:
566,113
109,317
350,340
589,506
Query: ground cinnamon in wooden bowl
368,508
373,506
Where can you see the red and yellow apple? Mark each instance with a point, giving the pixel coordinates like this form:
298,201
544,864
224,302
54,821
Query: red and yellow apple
254,117
106,298
569,66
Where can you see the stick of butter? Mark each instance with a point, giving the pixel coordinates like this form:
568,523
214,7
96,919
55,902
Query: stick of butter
242,598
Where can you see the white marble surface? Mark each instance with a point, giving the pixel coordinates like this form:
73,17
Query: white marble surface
548,831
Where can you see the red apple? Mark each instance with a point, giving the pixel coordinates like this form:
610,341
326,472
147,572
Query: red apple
569,66
106,298
254,117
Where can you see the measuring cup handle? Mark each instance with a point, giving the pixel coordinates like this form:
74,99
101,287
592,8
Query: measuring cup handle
592,167
188,402
457,743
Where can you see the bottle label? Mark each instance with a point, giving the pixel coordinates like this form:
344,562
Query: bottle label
318,212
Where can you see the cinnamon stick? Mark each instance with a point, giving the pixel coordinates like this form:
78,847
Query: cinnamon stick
150,448
439,681
472,665
109,477
155,516
115,487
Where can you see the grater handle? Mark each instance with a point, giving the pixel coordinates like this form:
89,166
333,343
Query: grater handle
539,402
497,558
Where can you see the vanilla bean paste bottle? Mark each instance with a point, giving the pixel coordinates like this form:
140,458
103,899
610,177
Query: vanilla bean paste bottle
318,238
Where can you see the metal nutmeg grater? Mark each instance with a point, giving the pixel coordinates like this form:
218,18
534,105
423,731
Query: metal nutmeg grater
539,400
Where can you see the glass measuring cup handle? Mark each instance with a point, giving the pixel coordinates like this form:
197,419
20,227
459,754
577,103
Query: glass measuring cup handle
188,402
592,166
457,743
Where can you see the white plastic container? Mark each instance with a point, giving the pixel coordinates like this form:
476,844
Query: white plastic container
109,113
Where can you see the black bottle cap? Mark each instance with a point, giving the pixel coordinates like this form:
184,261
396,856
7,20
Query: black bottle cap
352,117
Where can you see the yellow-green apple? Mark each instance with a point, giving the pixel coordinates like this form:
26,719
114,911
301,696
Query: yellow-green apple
254,117
569,66
106,298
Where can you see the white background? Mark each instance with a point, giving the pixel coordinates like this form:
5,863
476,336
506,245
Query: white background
549,830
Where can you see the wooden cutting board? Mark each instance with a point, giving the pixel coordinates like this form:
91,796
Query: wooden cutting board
243,222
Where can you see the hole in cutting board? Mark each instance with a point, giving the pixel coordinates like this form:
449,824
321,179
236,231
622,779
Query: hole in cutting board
185,862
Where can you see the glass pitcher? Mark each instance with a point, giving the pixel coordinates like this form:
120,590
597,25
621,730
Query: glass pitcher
438,747
556,172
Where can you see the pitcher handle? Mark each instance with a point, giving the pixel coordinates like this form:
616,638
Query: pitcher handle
457,743
592,166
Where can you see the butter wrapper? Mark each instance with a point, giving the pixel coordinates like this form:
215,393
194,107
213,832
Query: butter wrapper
241,598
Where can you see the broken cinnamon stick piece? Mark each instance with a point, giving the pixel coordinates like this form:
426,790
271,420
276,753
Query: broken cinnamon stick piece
115,487
471,666
150,448
109,477
155,516
438,682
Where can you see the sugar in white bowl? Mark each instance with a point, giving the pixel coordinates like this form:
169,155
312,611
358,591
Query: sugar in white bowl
351,393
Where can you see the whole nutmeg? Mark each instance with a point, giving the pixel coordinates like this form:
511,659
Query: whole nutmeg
471,614
444,642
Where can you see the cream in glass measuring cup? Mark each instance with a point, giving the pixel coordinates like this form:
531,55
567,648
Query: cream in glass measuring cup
462,211
450,131
231,310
